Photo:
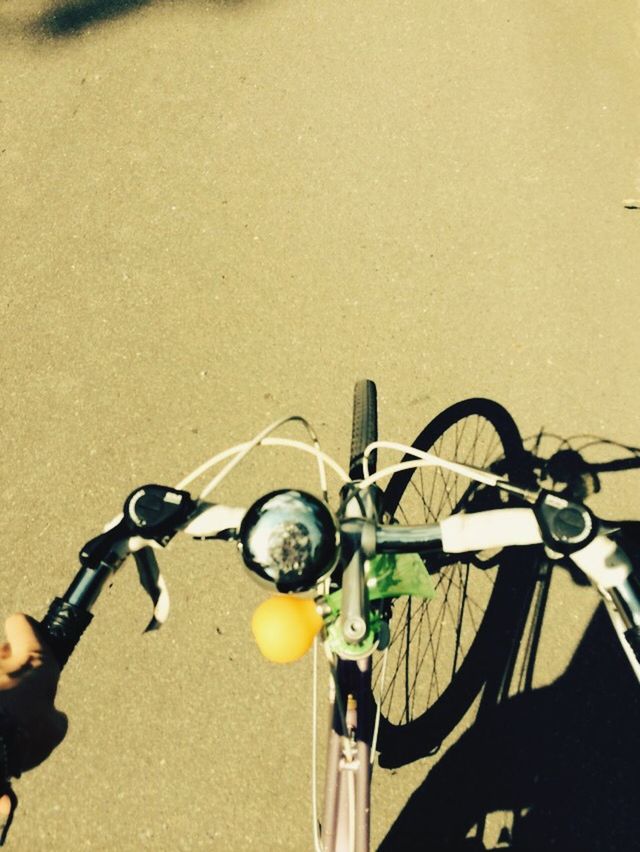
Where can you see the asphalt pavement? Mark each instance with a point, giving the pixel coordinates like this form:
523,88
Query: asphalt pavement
214,214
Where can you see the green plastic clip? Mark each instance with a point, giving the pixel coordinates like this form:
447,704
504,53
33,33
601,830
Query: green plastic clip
389,575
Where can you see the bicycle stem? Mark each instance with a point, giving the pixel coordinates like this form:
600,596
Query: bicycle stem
360,507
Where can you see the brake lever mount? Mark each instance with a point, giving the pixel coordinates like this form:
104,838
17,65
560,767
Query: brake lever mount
157,511
566,526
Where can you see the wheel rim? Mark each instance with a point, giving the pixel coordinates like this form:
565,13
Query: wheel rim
430,641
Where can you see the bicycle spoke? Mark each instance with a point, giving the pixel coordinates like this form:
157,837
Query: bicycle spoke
430,640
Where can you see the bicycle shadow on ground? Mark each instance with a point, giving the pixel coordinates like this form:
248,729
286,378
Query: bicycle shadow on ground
566,754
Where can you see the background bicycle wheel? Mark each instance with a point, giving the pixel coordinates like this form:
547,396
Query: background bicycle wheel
441,652
217,213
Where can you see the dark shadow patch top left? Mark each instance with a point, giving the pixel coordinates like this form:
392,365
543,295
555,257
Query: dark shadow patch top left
73,17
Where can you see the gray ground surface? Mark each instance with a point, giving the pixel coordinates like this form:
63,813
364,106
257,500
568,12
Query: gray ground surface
213,214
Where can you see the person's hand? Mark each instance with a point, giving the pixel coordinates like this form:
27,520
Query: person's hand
30,726
28,681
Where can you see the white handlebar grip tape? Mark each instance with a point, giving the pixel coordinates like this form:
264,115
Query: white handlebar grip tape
604,563
496,528
214,520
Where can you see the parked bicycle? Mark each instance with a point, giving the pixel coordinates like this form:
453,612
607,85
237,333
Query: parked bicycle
415,592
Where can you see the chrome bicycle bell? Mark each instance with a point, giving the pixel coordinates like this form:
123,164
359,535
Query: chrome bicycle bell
289,539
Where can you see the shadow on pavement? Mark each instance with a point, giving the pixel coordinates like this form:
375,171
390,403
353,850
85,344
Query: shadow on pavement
566,755
72,18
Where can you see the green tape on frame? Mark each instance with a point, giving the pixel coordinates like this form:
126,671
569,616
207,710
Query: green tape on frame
392,575
389,576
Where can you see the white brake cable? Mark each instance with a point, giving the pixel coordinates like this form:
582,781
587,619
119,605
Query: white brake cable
317,842
423,460
376,724
620,629
240,451
351,794
259,438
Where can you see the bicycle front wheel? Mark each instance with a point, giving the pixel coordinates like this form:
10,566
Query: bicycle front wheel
364,426
441,651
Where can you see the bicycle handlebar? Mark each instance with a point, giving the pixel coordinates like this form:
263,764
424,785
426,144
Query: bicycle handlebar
62,627
601,559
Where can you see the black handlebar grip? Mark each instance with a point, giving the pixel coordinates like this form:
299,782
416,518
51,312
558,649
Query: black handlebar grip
62,627
632,635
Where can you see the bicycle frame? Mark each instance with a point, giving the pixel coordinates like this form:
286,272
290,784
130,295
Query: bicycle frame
348,771
347,810
346,824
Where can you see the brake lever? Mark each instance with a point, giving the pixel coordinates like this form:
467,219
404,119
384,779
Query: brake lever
154,514
151,517
566,526
154,585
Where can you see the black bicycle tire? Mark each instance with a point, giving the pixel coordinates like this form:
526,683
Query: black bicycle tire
364,431
400,744
364,426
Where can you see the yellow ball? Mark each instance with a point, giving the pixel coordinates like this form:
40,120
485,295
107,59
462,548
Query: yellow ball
284,627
